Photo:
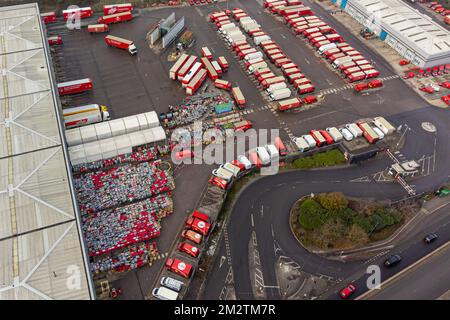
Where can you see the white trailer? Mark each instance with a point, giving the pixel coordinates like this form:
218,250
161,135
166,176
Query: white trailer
253,56
383,125
260,39
280,94
276,86
334,133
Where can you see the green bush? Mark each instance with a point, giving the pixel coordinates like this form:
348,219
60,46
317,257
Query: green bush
363,222
323,159
333,201
312,216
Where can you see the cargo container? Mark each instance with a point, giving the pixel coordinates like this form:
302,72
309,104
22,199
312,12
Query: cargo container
384,125
300,82
305,88
97,28
371,73
222,84
116,18
301,144
259,39
352,77
217,67
268,82
191,73
261,71
265,76
48,17
317,136
91,114
335,134
55,40
186,67
295,76
196,82
238,97
76,86
368,132
109,9
206,53
82,13
173,73
290,71
121,43
288,104
280,62
212,74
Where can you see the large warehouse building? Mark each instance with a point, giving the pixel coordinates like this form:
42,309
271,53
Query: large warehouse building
42,254
413,35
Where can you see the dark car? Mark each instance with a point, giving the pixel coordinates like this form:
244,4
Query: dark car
392,260
347,291
430,238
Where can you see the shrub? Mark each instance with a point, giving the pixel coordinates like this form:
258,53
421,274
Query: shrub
333,201
312,215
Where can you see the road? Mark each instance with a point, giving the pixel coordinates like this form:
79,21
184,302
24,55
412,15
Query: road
427,281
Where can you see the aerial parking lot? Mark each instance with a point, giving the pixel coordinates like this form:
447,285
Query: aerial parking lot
360,159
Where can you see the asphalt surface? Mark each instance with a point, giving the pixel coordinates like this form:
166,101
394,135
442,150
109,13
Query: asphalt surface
428,281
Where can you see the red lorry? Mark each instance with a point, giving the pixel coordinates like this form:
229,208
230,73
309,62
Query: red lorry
289,104
97,28
55,40
368,132
222,84
198,222
109,9
115,18
238,97
196,82
48,17
85,12
76,86
223,63
180,267
121,43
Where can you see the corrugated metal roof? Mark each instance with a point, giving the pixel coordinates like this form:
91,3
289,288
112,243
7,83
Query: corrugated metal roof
40,245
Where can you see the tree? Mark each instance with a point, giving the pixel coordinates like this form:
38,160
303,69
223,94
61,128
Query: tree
357,235
311,215
333,201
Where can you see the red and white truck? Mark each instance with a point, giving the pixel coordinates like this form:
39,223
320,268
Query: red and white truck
121,43
97,28
186,67
79,116
85,12
109,9
295,76
199,222
356,76
238,97
306,88
173,72
223,63
288,104
206,53
222,84
76,86
368,132
182,268
196,82
212,73
268,82
191,73
116,18
48,17
55,40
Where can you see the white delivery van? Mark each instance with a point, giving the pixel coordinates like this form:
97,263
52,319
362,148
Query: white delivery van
263,155
164,294
301,144
171,283
334,133
309,140
244,160
354,130
223,174
340,61
326,47
276,86
273,152
232,168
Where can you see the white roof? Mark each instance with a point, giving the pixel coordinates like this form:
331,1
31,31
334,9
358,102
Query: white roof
418,30
39,231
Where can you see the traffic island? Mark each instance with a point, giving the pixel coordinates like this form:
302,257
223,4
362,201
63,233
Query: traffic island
329,223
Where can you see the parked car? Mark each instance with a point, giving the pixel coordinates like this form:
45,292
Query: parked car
392,260
347,291
430,238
